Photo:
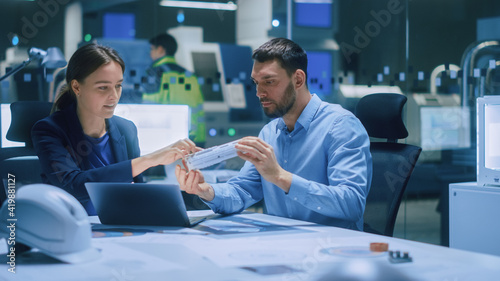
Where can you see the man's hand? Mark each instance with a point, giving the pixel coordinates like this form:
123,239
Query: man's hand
193,182
262,156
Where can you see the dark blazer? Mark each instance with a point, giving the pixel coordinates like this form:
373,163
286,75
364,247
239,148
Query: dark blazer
62,148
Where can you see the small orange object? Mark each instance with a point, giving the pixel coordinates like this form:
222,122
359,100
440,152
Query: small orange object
379,247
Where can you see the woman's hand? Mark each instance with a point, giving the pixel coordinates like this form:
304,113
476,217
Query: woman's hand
164,156
175,151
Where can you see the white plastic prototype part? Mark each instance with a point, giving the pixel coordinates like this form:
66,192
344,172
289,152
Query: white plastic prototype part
211,156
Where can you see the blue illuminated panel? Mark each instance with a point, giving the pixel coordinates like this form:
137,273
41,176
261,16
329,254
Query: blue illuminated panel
313,14
119,26
319,72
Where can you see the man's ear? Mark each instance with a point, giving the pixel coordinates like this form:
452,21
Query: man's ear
299,78
75,86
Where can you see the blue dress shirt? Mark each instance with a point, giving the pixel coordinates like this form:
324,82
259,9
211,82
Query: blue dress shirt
328,153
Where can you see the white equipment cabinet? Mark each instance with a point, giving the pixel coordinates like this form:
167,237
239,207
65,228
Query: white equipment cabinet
475,218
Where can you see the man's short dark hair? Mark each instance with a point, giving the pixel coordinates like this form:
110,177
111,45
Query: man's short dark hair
288,53
167,41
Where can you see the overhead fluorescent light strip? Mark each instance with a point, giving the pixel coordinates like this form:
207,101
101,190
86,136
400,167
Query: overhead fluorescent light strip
314,1
230,6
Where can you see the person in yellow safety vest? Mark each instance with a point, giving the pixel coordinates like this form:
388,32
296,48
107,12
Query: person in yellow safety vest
169,83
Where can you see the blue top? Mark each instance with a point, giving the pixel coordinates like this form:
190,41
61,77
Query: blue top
102,155
328,153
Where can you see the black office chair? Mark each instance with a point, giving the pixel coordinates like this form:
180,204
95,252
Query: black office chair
22,162
393,163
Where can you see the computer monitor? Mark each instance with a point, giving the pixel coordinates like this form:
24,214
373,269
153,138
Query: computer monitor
205,68
313,13
488,135
158,125
444,127
312,20
204,60
5,119
118,26
437,122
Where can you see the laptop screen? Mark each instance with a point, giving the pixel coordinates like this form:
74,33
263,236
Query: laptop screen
138,204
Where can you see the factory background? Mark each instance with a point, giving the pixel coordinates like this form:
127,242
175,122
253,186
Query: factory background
420,49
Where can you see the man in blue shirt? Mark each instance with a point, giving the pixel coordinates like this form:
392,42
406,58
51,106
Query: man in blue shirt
312,162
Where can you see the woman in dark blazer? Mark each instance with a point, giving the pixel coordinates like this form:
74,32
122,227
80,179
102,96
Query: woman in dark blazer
82,141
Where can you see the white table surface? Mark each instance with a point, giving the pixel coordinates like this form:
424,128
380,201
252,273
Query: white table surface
284,249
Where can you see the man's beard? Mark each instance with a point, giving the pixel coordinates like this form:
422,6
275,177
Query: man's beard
284,106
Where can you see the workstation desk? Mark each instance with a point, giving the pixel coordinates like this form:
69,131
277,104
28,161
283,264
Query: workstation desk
253,246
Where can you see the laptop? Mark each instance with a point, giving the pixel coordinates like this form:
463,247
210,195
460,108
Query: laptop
140,204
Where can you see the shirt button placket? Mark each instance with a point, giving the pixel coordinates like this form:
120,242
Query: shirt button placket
286,150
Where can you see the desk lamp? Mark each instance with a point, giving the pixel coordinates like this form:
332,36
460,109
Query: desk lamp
52,58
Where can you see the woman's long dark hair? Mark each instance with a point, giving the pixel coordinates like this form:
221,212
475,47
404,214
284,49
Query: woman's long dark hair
84,62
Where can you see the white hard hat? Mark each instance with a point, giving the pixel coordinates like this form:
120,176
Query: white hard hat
51,220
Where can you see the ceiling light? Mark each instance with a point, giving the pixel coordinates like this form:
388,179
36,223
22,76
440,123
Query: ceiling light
314,1
229,6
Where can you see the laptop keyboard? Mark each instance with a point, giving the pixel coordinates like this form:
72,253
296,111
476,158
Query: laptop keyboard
196,220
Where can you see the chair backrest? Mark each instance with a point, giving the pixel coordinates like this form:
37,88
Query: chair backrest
393,163
24,115
22,162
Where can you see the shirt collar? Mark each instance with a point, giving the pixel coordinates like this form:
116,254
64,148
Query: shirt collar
305,117
164,60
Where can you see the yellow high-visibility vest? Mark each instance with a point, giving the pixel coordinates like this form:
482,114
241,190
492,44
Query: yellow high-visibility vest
172,84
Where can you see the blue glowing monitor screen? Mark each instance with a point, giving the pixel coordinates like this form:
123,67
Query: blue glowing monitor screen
158,125
313,15
119,25
319,72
